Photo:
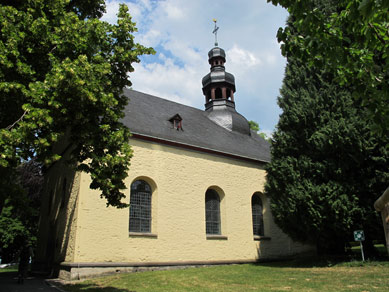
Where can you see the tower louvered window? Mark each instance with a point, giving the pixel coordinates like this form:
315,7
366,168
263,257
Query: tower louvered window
212,212
257,211
140,207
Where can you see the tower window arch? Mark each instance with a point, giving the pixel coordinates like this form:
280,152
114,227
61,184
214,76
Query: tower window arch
212,212
257,213
140,207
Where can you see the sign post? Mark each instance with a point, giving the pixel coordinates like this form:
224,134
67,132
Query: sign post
359,235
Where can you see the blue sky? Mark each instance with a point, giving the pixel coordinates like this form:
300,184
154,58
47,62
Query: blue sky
181,33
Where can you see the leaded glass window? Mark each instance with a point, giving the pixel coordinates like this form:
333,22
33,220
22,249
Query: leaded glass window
140,207
212,212
257,211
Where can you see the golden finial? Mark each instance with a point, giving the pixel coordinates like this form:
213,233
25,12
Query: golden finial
215,32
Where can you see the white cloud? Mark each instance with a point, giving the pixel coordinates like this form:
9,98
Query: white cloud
112,9
172,10
137,9
170,81
239,56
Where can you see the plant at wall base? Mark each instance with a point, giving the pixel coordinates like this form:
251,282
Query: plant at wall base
62,71
351,41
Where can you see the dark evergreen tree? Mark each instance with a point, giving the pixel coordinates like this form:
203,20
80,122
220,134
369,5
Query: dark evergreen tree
327,166
349,38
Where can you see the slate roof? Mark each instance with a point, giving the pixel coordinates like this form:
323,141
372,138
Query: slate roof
148,116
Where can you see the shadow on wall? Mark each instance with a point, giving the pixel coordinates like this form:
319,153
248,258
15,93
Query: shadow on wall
62,225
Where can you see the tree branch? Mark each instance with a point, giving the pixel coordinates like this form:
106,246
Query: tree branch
17,121
376,33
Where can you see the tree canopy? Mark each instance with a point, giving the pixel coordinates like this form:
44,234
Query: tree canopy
351,41
327,166
62,71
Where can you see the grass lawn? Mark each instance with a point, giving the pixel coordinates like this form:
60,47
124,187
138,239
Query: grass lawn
279,276
13,268
381,248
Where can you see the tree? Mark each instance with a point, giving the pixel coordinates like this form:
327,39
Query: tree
255,127
352,42
62,71
20,215
327,167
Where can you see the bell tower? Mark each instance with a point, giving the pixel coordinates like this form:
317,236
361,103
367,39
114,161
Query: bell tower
219,89
218,84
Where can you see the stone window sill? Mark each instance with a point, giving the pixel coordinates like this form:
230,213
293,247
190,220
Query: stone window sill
216,237
260,238
141,234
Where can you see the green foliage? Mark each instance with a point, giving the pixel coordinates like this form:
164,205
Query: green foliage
352,41
255,127
62,71
19,215
327,167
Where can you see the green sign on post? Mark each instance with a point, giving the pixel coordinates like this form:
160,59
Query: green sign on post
359,235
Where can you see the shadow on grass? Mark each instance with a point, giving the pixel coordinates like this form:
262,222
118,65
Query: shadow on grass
316,262
92,288
8,274
326,261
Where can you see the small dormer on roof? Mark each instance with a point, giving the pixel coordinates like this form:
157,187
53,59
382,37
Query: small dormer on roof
176,121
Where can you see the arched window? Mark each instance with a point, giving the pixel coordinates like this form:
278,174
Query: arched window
212,212
140,207
257,211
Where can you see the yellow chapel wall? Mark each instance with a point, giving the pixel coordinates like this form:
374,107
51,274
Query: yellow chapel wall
179,179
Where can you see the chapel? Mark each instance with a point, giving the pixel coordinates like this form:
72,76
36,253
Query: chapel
194,188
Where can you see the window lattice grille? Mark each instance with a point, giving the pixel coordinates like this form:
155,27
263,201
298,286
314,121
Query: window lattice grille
140,207
212,212
257,212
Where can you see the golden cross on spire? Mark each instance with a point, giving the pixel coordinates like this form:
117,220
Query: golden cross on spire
215,32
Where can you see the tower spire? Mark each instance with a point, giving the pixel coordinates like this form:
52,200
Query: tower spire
215,32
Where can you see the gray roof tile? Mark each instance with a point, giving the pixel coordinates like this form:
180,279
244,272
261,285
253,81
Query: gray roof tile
148,115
